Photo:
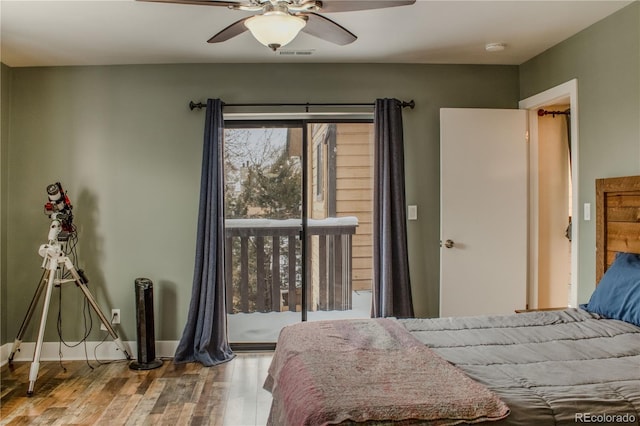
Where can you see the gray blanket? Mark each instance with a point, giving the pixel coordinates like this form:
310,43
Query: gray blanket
551,368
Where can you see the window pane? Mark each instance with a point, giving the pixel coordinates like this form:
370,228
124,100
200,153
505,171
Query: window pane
263,206
339,251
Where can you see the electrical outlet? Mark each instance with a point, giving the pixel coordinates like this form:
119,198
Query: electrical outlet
115,319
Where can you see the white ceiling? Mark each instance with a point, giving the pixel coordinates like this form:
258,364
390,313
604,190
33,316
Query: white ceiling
100,32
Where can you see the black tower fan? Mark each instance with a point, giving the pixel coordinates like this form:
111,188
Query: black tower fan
144,319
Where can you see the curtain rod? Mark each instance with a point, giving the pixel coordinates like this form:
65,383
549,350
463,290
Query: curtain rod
192,105
543,112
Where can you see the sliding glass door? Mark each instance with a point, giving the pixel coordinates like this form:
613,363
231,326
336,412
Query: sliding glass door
289,183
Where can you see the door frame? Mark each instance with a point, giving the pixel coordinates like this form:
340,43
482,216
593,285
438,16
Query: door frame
565,90
302,121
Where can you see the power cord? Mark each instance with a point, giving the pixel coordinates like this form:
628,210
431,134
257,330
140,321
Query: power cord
88,326
104,339
86,311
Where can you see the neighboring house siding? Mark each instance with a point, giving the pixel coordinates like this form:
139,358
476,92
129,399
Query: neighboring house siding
316,185
353,181
354,194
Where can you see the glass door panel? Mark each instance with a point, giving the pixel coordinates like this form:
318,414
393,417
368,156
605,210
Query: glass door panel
263,220
339,253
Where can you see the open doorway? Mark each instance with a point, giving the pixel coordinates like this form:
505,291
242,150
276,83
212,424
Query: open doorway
553,197
554,205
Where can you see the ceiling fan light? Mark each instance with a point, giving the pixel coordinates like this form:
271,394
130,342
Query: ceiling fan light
275,29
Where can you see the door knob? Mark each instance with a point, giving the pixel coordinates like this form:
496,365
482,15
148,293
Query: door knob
449,243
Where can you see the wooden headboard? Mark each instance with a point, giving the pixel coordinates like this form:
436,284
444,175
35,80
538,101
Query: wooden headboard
617,219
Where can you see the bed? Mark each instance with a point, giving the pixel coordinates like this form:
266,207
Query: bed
538,368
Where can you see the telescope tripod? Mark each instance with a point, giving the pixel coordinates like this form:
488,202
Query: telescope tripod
54,260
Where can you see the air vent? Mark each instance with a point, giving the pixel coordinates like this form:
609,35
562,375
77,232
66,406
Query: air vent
296,52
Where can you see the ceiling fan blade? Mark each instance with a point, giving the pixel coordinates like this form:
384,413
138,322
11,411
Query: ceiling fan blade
326,29
197,2
329,6
231,31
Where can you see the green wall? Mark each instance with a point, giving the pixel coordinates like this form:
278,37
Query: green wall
605,59
126,146
5,95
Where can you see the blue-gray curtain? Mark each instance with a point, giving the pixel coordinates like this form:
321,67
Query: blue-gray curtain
391,283
204,338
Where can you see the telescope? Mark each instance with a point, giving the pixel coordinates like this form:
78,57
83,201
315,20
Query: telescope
57,266
59,208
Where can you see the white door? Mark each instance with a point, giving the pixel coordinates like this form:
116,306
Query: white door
483,199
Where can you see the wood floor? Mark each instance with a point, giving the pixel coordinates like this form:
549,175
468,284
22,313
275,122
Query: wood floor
112,394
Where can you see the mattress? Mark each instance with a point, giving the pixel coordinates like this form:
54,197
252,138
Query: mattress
369,371
550,368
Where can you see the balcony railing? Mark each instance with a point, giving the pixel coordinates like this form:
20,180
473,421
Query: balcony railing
263,264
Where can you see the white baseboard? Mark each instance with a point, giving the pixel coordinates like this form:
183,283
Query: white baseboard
103,351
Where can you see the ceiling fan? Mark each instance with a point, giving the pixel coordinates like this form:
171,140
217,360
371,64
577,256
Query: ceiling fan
278,22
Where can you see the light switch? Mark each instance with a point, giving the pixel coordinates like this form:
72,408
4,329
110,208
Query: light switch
587,211
412,212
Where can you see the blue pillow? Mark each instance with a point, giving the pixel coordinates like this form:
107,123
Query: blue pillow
617,296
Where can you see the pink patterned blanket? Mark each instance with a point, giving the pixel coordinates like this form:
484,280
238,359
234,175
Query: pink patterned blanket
369,370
